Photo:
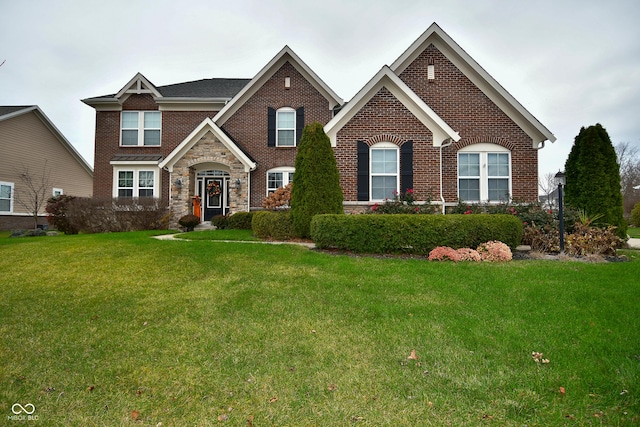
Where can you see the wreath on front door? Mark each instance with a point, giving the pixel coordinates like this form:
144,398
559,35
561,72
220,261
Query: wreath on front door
213,189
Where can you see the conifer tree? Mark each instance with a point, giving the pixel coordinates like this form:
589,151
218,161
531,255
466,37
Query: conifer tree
316,182
593,178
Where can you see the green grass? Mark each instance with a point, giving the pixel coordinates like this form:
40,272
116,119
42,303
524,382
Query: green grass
634,232
207,333
243,235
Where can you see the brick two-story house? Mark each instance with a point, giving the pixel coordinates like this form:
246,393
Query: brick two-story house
434,121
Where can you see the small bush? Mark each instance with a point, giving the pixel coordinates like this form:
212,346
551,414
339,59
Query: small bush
586,240
220,222
189,221
57,209
241,220
444,253
279,199
417,234
272,225
494,251
467,254
635,215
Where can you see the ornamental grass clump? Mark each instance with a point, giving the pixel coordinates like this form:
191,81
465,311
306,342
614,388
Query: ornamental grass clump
494,251
444,253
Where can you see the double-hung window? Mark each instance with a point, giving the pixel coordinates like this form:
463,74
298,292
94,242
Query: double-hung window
141,128
278,177
136,183
6,197
286,127
484,173
384,171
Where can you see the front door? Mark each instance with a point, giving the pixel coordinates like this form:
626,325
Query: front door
215,196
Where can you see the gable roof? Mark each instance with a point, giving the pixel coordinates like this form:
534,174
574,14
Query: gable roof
9,112
207,125
478,76
386,78
285,55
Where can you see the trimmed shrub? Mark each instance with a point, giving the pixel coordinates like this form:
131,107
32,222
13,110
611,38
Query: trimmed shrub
220,222
635,215
404,203
279,199
444,253
467,254
316,183
57,209
417,234
494,251
189,221
272,225
240,220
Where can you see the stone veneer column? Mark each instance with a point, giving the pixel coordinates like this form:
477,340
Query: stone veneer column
207,150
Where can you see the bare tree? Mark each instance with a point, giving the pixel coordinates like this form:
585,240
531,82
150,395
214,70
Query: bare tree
547,185
629,161
34,191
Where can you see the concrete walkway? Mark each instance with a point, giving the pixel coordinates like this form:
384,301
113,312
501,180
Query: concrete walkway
309,245
634,243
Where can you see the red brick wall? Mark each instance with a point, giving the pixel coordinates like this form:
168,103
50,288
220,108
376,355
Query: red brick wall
384,118
477,119
176,126
248,126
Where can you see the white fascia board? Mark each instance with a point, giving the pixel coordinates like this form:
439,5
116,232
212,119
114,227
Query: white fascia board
104,104
19,112
386,78
207,125
478,76
134,162
286,54
138,80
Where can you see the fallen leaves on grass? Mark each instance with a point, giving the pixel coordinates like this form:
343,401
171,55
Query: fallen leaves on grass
273,399
332,387
135,415
539,357
413,355
562,391
250,421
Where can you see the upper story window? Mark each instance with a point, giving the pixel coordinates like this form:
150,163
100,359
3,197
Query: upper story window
278,177
484,173
6,197
136,183
286,127
385,164
141,128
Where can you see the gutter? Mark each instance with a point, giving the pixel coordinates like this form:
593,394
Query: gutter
447,142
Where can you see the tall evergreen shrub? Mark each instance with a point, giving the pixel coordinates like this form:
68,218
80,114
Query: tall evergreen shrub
593,177
316,182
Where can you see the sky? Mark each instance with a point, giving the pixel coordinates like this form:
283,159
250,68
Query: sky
570,63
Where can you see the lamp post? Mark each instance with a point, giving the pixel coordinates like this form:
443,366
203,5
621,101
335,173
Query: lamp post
561,180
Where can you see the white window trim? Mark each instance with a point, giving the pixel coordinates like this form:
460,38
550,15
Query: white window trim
9,184
136,174
383,146
286,171
57,190
278,128
140,127
483,149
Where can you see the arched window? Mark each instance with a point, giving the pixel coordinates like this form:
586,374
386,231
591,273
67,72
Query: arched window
384,167
484,173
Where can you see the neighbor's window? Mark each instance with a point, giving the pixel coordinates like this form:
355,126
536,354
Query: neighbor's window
278,177
141,128
384,171
286,127
57,192
6,197
484,173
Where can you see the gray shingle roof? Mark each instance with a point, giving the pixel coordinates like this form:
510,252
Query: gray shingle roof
4,110
136,157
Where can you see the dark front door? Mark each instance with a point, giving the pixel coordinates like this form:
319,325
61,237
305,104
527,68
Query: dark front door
214,197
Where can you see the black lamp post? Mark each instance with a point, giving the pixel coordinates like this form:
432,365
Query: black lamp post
561,180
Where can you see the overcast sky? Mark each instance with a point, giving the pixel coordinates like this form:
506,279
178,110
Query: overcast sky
571,63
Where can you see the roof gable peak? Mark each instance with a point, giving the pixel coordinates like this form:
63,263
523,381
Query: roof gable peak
139,84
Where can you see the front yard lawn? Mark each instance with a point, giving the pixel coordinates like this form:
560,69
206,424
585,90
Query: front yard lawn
122,329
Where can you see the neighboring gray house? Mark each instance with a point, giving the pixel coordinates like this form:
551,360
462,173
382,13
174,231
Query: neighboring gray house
31,143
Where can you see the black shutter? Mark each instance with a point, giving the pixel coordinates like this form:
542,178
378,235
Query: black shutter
406,166
363,171
299,124
271,127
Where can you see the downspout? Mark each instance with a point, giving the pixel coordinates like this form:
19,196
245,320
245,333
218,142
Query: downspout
445,143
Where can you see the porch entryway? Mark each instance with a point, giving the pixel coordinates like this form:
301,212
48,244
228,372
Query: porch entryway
213,188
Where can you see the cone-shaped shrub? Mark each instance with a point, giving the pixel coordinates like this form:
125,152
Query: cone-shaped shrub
593,178
316,182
